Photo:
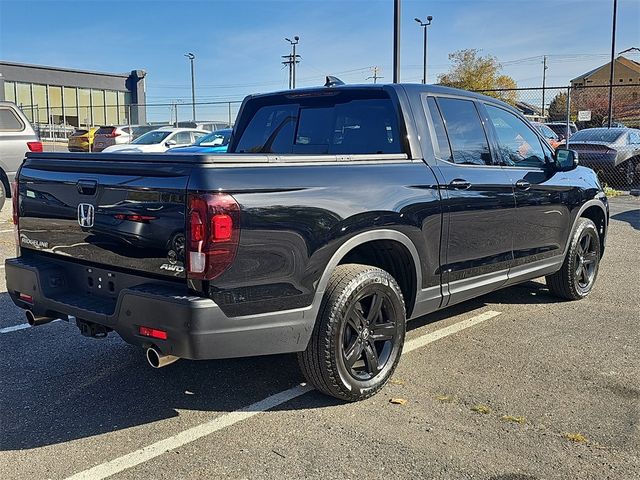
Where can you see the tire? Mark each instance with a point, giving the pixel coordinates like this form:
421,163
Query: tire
3,194
354,350
579,271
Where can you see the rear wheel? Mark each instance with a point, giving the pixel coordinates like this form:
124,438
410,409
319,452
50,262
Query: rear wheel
359,333
632,172
578,274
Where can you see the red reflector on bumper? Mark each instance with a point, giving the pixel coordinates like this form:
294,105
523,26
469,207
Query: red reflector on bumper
26,298
152,332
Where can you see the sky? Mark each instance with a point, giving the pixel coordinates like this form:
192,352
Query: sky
238,43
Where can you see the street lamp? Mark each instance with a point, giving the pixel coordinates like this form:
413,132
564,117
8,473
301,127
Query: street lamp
191,58
424,25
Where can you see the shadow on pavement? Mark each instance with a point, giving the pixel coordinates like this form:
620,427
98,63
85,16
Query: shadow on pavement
632,217
57,386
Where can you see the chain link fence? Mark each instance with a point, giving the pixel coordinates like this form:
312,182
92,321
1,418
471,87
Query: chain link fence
581,114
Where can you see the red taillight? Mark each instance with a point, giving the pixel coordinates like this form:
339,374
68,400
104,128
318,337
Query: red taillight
26,298
214,234
152,332
34,146
113,135
15,191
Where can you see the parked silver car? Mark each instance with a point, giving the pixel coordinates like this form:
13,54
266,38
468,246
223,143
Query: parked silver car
17,137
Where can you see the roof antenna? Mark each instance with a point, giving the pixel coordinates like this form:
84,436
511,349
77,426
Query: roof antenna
333,81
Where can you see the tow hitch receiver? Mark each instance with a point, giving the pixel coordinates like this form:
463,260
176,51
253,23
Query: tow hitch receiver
93,330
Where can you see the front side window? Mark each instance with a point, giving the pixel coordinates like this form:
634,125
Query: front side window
344,122
468,140
518,145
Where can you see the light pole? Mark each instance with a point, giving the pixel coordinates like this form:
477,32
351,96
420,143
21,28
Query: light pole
613,52
293,60
191,58
397,7
424,25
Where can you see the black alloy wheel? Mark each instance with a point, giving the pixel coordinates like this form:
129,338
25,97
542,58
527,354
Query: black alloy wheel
586,259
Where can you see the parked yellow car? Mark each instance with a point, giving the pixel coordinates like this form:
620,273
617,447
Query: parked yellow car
81,140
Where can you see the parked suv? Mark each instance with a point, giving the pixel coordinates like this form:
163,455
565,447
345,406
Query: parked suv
17,136
111,135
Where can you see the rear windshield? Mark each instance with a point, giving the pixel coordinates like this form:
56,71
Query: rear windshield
79,133
333,122
151,138
105,130
604,135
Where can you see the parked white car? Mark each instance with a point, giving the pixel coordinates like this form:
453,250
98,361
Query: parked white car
160,140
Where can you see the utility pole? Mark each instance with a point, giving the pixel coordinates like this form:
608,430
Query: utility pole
375,75
424,25
291,61
191,58
611,69
544,82
396,41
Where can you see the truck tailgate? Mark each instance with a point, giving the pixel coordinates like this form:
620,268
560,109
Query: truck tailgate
121,214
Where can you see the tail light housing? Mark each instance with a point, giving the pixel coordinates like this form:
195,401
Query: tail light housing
15,191
34,146
213,234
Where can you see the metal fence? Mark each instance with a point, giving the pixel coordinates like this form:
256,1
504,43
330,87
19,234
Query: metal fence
613,153
53,126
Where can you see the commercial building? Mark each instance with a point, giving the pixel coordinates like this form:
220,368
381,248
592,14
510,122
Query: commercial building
66,98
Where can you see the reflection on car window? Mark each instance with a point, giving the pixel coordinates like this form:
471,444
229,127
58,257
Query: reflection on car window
337,123
518,145
466,133
151,138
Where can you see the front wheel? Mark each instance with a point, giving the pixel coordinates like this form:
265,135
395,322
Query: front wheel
577,276
359,333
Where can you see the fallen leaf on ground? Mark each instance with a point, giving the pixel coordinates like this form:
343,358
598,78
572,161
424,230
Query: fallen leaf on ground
575,437
393,381
445,398
481,409
511,418
398,401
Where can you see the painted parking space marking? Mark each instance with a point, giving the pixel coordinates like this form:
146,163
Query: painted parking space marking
7,231
14,328
144,454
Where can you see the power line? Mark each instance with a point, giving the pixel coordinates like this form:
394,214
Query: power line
375,75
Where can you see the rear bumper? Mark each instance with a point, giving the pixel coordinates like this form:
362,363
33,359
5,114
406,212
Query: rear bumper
197,328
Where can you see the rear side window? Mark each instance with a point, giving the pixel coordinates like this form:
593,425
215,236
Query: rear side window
443,149
9,121
468,140
344,122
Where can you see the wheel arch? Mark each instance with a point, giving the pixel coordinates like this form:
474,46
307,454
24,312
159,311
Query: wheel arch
5,183
595,211
388,249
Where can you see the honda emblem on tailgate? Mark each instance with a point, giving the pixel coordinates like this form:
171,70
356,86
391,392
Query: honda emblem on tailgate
85,215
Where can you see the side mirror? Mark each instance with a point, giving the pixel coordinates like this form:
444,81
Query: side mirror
566,160
170,143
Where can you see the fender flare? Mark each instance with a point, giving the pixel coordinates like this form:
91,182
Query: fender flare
355,241
590,203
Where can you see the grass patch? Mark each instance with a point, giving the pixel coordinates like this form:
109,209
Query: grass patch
575,437
484,409
514,419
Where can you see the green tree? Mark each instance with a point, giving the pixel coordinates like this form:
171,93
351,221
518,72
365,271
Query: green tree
472,71
558,108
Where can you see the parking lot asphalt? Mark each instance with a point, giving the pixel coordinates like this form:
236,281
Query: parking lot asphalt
534,388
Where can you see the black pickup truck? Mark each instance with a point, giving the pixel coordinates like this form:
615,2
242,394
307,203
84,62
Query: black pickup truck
338,213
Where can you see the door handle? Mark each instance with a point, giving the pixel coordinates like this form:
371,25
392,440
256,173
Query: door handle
523,185
460,184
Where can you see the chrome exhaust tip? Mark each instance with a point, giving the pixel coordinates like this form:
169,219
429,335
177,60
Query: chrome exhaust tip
35,321
157,359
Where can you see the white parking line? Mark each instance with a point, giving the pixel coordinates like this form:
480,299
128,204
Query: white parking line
6,231
130,460
22,326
